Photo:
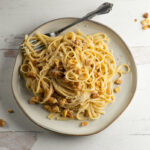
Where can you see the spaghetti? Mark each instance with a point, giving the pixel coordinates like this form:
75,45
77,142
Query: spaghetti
72,76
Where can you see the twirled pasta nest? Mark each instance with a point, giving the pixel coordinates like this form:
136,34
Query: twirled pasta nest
72,76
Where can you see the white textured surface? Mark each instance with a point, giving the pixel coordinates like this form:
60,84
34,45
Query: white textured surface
130,131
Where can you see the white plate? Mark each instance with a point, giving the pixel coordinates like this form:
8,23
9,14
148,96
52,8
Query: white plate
122,99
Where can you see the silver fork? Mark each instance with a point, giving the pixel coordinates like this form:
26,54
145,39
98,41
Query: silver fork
102,9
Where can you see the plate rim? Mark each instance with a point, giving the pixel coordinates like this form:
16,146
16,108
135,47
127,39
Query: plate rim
85,134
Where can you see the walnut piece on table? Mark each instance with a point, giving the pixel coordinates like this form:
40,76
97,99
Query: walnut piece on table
2,123
148,26
10,111
146,15
146,22
144,27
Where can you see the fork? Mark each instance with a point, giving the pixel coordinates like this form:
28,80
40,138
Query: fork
102,9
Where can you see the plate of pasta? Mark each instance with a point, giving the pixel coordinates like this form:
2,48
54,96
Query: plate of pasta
79,82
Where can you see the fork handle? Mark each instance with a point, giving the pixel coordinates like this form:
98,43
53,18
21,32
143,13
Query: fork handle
102,9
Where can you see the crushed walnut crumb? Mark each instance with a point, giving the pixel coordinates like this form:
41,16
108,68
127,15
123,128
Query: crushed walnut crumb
77,42
55,109
135,20
31,74
118,81
62,102
94,95
144,27
87,62
84,123
46,92
64,113
117,89
2,123
35,62
56,62
34,100
52,100
10,111
146,22
70,114
47,107
145,15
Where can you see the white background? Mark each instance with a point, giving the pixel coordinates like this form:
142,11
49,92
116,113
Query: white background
132,129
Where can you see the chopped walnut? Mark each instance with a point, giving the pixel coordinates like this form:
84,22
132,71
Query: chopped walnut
92,65
143,22
77,42
31,74
46,92
64,113
144,27
82,77
55,109
145,15
86,113
117,89
62,102
84,123
76,83
94,95
34,100
97,74
70,83
77,86
47,107
52,100
72,62
10,111
69,100
87,62
35,62
135,20
40,68
77,71
70,114
2,123
83,69
146,22
118,81
53,49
